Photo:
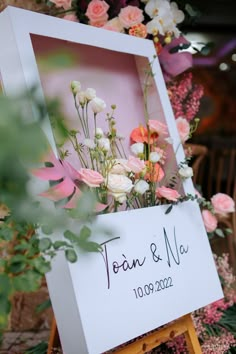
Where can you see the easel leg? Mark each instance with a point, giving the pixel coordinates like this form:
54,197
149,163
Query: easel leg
191,337
54,340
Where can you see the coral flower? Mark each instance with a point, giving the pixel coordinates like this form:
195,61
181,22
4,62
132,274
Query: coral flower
139,135
154,172
138,30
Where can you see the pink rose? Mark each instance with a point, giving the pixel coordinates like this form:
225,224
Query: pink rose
135,164
209,220
157,127
90,177
71,17
183,128
222,204
97,12
130,16
66,4
167,193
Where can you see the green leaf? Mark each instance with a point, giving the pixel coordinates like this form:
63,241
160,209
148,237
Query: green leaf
47,229
5,285
58,244
85,233
41,265
169,209
27,282
69,235
44,244
71,256
219,233
229,231
43,306
40,348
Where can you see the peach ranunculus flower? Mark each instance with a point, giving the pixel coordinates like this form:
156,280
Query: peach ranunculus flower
138,30
157,127
209,220
90,177
66,4
154,172
120,167
223,204
114,25
135,164
183,128
167,193
130,16
97,12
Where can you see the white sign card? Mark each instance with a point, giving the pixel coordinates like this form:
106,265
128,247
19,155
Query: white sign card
158,266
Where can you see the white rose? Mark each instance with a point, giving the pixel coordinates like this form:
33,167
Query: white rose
97,105
89,143
154,157
104,144
120,167
98,133
75,87
80,98
186,171
118,185
137,148
141,186
90,93
119,197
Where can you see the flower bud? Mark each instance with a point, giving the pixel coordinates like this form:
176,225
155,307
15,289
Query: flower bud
97,105
90,93
75,87
141,187
104,144
154,157
186,172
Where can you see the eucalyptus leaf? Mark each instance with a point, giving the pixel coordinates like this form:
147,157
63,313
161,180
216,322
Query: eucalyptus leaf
71,256
219,233
44,244
169,209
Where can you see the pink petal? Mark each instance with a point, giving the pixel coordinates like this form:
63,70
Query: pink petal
60,191
100,207
74,200
49,173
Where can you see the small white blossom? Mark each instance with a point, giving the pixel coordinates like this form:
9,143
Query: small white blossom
99,133
97,105
154,157
90,93
141,186
75,87
89,143
178,15
80,98
137,148
104,144
156,8
186,171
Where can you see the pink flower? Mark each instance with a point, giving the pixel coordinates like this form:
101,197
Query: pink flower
71,17
90,177
222,204
97,12
135,164
157,127
130,16
66,4
209,220
167,193
114,25
183,128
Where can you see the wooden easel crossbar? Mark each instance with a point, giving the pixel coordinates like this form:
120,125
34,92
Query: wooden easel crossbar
183,325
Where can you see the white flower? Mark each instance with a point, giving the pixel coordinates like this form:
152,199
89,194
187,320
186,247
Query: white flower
89,143
97,105
90,93
141,186
99,133
186,171
178,15
118,186
75,87
137,148
120,167
80,98
154,157
156,8
155,26
104,144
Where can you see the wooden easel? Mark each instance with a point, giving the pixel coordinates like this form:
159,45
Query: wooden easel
183,325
